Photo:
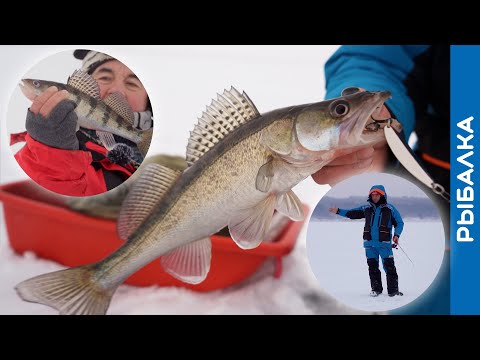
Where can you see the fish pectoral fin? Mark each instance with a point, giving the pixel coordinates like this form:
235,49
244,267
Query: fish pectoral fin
84,83
154,181
249,226
265,175
120,105
290,205
189,263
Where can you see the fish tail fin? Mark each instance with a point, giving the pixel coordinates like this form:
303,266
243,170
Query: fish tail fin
71,291
146,139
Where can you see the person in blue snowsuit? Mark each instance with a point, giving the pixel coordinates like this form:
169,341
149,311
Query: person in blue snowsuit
379,217
418,76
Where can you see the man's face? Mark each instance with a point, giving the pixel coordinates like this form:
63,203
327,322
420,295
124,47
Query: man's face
113,76
375,197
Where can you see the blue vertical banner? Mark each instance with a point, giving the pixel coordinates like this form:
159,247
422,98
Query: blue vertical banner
465,160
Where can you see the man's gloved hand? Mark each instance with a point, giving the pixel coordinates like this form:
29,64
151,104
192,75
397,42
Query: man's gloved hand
395,242
52,121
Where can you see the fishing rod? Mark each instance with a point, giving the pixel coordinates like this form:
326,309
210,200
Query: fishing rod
397,245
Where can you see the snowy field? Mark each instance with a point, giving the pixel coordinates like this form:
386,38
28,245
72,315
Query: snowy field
336,254
181,81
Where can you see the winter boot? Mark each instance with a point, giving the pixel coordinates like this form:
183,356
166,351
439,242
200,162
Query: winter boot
375,276
397,293
392,277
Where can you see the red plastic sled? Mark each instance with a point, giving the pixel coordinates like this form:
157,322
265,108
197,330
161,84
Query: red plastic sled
38,221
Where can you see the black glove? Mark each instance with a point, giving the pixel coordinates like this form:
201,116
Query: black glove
58,130
395,241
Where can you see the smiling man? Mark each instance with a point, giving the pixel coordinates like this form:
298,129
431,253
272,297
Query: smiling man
75,161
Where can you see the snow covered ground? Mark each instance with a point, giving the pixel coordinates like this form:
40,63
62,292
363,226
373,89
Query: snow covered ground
336,254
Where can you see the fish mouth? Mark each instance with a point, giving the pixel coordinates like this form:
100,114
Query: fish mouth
362,125
26,90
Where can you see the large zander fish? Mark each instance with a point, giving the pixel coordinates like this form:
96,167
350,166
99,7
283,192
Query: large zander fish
242,167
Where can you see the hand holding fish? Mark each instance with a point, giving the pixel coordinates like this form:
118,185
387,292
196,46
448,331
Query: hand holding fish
365,160
52,121
47,101
356,161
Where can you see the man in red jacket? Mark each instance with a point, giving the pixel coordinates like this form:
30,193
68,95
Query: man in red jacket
72,162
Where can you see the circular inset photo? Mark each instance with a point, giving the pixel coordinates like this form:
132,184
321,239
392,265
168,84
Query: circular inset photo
375,242
80,123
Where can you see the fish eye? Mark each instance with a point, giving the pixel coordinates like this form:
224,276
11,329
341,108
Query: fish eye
36,83
339,108
350,91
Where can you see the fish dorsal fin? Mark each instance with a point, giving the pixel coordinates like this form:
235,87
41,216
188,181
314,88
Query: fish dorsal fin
118,104
189,263
225,114
154,182
85,83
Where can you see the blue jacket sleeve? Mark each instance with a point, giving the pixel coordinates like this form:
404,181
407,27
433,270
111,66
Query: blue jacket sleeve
399,221
376,67
356,213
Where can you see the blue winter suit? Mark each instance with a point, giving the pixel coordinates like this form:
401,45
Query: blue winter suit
377,237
